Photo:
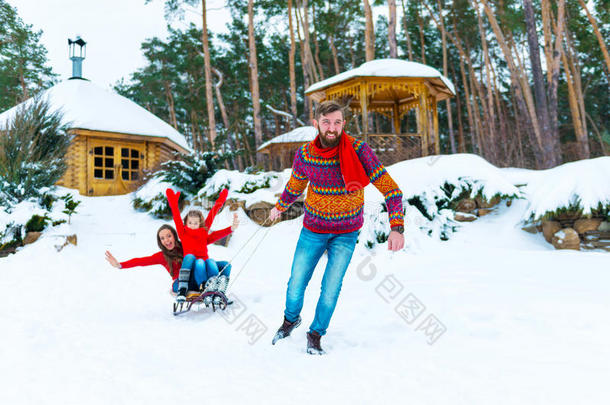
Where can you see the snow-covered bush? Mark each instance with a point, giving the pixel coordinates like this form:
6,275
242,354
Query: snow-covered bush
33,145
250,187
31,215
581,187
151,198
432,187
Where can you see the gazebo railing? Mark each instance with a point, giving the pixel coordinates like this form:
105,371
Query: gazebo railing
392,148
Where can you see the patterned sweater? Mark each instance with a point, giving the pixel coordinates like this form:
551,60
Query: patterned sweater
329,207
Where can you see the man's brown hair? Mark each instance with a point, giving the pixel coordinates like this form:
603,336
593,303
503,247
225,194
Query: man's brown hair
327,107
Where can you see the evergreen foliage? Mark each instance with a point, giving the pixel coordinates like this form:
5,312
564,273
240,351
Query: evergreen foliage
189,172
23,59
32,152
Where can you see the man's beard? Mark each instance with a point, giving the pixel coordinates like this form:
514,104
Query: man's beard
330,143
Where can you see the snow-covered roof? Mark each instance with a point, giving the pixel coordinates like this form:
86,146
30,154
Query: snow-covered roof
384,68
87,106
301,134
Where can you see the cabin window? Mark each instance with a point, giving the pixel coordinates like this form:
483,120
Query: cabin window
103,162
130,162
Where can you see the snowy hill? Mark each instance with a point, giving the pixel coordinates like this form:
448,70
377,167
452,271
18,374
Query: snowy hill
493,315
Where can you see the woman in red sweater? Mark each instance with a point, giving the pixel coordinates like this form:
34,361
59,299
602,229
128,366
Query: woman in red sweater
170,257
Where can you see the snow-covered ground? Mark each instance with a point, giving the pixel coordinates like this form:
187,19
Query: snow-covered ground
493,316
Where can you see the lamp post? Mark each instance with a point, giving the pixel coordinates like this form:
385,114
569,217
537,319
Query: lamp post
78,52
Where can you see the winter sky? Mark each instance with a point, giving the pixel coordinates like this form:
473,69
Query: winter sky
113,30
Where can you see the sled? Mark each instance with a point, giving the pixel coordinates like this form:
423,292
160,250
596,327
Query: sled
197,299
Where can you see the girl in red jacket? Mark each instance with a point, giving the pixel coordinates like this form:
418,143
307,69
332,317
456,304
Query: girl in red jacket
194,232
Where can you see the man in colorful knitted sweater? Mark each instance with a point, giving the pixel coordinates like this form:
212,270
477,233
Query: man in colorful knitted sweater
337,168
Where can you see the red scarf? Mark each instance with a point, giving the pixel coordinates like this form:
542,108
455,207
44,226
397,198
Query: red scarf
354,175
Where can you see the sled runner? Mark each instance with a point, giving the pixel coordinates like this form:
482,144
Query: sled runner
197,299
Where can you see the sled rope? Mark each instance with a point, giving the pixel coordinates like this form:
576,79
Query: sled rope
234,278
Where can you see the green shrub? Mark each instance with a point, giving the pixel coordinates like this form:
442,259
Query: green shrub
37,223
70,205
32,152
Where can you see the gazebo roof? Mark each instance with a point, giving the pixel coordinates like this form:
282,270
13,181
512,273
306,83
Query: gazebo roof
86,106
386,68
301,134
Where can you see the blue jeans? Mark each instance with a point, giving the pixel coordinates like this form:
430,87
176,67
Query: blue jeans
201,271
310,247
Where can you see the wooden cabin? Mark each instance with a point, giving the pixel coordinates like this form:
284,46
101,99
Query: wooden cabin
393,89
115,139
278,153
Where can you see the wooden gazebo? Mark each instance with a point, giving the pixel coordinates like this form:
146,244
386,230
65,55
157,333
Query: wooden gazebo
278,153
391,88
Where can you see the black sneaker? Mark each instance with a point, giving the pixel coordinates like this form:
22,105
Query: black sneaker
313,343
286,329
181,297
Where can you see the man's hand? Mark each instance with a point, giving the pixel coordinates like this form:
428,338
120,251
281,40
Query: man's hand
274,214
396,241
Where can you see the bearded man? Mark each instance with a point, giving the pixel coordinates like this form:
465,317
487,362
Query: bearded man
337,168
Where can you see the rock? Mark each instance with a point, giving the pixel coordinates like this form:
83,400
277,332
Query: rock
483,203
549,228
224,241
604,226
31,237
566,238
586,224
466,205
70,239
509,203
530,228
259,212
234,204
464,217
483,211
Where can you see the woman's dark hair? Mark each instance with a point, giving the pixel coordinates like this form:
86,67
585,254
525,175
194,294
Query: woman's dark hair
174,255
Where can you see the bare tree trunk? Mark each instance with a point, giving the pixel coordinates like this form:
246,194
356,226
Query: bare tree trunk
392,29
208,78
600,39
333,51
195,131
307,110
554,80
225,117
170,105
445,72
316,45
420,22
258,130
491,116
404,19
542,108
293,81
522,90
576,99
369,33
309,61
